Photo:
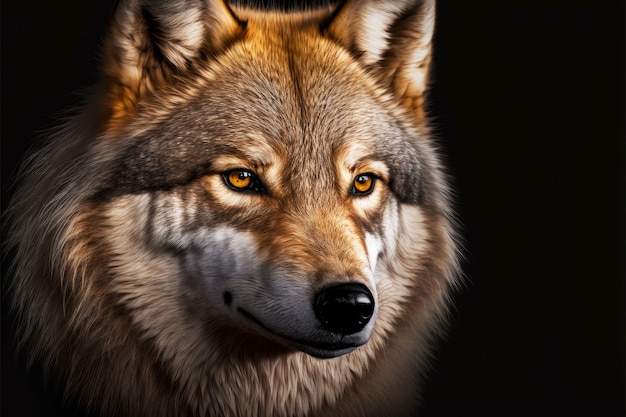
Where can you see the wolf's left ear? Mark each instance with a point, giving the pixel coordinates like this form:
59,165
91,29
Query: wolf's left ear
393,38
151,41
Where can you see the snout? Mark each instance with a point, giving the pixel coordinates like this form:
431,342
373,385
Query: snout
338,319
344,308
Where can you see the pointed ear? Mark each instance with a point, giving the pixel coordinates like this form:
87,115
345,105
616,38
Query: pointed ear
393,38
150,41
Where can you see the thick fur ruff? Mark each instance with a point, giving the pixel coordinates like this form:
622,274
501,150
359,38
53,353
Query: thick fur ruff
172,239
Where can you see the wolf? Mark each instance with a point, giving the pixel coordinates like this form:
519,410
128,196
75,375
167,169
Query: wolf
248,217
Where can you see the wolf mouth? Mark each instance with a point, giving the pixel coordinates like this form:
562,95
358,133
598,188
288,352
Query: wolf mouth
322,350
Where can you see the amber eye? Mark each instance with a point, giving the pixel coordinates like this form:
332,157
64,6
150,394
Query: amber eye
363,184
240,179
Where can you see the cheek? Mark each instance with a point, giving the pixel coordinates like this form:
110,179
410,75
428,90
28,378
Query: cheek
374,247
227,259
381,233
370,207
225,253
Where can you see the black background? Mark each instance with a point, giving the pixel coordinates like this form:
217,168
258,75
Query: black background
528,104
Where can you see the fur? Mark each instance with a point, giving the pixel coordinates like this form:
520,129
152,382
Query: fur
146,284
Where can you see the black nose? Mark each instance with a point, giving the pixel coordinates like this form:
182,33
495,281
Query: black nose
344,308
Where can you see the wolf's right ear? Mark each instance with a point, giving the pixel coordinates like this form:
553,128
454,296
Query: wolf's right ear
151,41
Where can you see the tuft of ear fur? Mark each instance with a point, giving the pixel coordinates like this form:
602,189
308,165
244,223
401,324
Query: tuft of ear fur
150,41
394,39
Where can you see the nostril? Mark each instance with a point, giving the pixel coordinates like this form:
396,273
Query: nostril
228,298
344,308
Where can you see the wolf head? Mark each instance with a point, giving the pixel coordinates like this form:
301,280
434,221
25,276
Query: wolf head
248,187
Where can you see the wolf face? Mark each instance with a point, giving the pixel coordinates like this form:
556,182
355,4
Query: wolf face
251,193
311,201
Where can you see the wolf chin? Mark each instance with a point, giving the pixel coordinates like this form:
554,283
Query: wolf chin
247,218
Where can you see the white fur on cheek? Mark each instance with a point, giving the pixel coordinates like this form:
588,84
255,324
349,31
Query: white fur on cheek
374,246
226,254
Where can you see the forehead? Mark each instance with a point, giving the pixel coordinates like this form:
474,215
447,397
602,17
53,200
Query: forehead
294,87
286,92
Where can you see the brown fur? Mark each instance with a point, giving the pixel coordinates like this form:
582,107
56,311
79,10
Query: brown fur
115,220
